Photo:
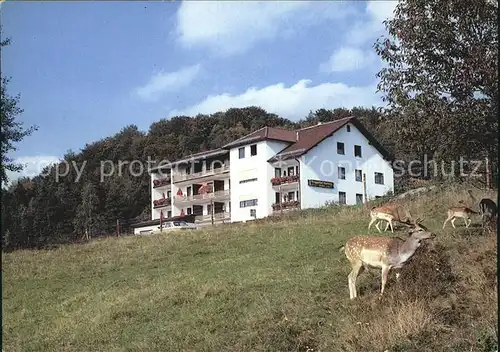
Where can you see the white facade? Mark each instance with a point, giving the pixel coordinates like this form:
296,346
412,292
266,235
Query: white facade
242,187
251,193
323,161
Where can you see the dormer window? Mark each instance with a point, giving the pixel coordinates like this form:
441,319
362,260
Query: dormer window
348,128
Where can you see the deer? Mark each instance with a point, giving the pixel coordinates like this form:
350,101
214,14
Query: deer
388,213
487,208
366,251
459,212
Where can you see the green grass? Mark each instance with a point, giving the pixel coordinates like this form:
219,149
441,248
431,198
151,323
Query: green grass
270,286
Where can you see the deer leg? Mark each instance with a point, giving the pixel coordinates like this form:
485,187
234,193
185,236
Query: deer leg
371,222
453,222
386,226
447,219
467,222
390,223
377,227
385,273
351,279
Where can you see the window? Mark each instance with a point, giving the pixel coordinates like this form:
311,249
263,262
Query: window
359,198
342,198
253,149
209,208
169,214
253,213
297,170
188,191
359,175
248,203
169,194
290,171
348,128
291,196
341,173
357,151
248,180
241,152
340,148
189,211
277,198
277,172
379,178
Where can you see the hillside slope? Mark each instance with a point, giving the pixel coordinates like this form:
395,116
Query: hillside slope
275,286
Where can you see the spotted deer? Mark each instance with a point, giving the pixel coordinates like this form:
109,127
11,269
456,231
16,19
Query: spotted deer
381,252
389,213
459,212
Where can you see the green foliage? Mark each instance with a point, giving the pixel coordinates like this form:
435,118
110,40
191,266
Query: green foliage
440,79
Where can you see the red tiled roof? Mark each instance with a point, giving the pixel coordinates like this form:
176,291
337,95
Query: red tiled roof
272,133
310,137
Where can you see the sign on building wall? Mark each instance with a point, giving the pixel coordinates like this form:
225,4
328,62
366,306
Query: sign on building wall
320,184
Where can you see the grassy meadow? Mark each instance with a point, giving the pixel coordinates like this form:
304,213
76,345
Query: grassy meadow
269,286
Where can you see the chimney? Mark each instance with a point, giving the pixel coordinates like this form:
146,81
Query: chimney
297,135
319,123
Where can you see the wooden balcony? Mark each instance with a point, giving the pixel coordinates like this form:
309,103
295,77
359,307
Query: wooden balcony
277,181
212,172
161,203
286,206
218,195
162,182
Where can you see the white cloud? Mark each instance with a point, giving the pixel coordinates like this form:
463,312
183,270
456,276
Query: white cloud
163,82
349,59
33,166
377,12
292,102
230,27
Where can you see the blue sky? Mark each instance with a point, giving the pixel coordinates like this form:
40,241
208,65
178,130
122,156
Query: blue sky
86,69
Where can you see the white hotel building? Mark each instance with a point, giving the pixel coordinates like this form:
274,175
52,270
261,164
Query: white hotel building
273,170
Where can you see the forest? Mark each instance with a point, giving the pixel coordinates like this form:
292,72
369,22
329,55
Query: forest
439,84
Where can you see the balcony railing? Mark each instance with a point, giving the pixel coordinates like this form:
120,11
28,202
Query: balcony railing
161,182
185,177
162,202
209,195
276,181
217,216
292,204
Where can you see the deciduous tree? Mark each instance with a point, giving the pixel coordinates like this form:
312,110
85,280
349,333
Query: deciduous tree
440,78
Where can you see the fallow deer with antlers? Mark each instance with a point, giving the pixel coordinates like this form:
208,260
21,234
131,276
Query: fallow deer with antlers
382,252
389,213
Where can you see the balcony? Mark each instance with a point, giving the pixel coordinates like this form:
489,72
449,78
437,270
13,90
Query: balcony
277,181
217,217
206,196
162,202
286,206
161,182
212,172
